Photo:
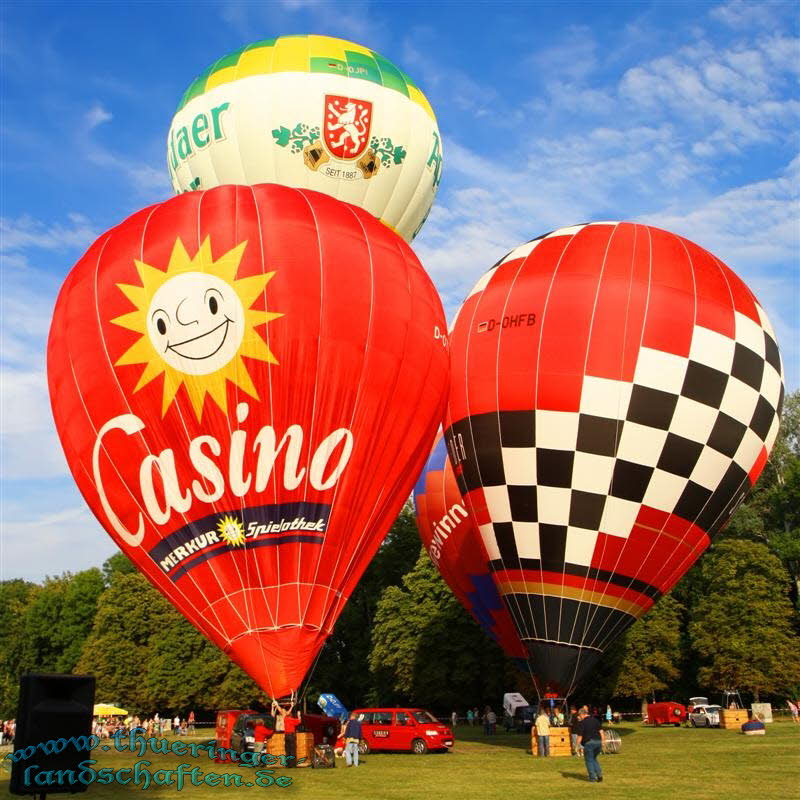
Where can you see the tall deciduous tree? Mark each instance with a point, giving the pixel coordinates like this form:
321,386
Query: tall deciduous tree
343,666
742,627
652,652
14,598
427,649
184,670
129,613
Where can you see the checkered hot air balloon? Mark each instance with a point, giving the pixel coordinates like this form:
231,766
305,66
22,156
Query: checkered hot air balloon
615,393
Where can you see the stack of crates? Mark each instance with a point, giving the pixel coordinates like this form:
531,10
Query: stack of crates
559,742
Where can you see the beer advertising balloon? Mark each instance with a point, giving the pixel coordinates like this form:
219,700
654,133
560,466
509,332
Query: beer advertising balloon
312,112
246,382
615,392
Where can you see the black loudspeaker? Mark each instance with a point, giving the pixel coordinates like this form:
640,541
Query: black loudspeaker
54,723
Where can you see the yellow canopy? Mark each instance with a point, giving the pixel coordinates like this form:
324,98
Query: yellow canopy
107,710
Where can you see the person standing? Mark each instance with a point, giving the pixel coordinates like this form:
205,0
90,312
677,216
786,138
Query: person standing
287,722
176,725
352,740
454,719
542,725
491,719
260,735
592,738
575,731
793,710
470,717
191,722
291,723
609,715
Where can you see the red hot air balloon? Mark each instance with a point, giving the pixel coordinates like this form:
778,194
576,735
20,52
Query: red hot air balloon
615,393
246,382
456,549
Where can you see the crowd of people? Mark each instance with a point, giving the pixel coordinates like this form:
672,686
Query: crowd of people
104,727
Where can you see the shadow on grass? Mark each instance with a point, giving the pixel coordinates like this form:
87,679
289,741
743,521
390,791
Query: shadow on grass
576,776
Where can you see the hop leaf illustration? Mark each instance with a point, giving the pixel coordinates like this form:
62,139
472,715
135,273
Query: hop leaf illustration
282,136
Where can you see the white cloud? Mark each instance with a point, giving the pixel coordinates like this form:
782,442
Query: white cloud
730,99
740,14
96,115
145,179
356,19
25,232
54,541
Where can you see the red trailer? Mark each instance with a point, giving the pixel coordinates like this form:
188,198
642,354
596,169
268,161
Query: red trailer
667,713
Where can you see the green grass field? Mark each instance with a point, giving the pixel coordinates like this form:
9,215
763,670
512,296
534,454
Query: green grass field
668,763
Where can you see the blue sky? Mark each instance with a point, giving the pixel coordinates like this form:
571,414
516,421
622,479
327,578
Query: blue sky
682,115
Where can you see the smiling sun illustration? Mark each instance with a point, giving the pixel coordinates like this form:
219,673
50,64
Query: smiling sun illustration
231,531
196,323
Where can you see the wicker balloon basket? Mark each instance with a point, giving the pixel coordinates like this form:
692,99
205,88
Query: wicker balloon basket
276,746
559,742
732,718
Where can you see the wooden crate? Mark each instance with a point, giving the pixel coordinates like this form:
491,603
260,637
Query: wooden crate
733,718
559,742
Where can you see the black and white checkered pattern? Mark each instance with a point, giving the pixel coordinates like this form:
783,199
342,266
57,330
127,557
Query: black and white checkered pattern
681,437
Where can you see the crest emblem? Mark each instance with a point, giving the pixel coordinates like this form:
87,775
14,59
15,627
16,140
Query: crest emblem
347,126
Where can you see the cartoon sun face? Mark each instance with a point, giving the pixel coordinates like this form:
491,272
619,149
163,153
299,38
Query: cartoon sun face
231,531
195,323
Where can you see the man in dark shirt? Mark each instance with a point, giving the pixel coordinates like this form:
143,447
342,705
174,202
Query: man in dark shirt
352,739
592,742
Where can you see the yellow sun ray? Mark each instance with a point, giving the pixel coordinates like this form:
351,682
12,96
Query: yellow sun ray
193,341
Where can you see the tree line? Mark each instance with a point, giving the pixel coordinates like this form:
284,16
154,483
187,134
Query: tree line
403,638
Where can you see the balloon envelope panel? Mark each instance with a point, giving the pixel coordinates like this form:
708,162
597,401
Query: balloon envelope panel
311,112
245,382
615,393
456,549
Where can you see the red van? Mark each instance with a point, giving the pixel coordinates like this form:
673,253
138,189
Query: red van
667,713
411,729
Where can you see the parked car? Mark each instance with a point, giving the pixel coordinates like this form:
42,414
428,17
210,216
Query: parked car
667,713
411,729
523,718
704,716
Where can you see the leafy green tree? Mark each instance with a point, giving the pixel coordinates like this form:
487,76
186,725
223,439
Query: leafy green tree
129,613
426,648
652,652
771,513
236,690
742,623
14,598
343,665
79,606
119,563
185,670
